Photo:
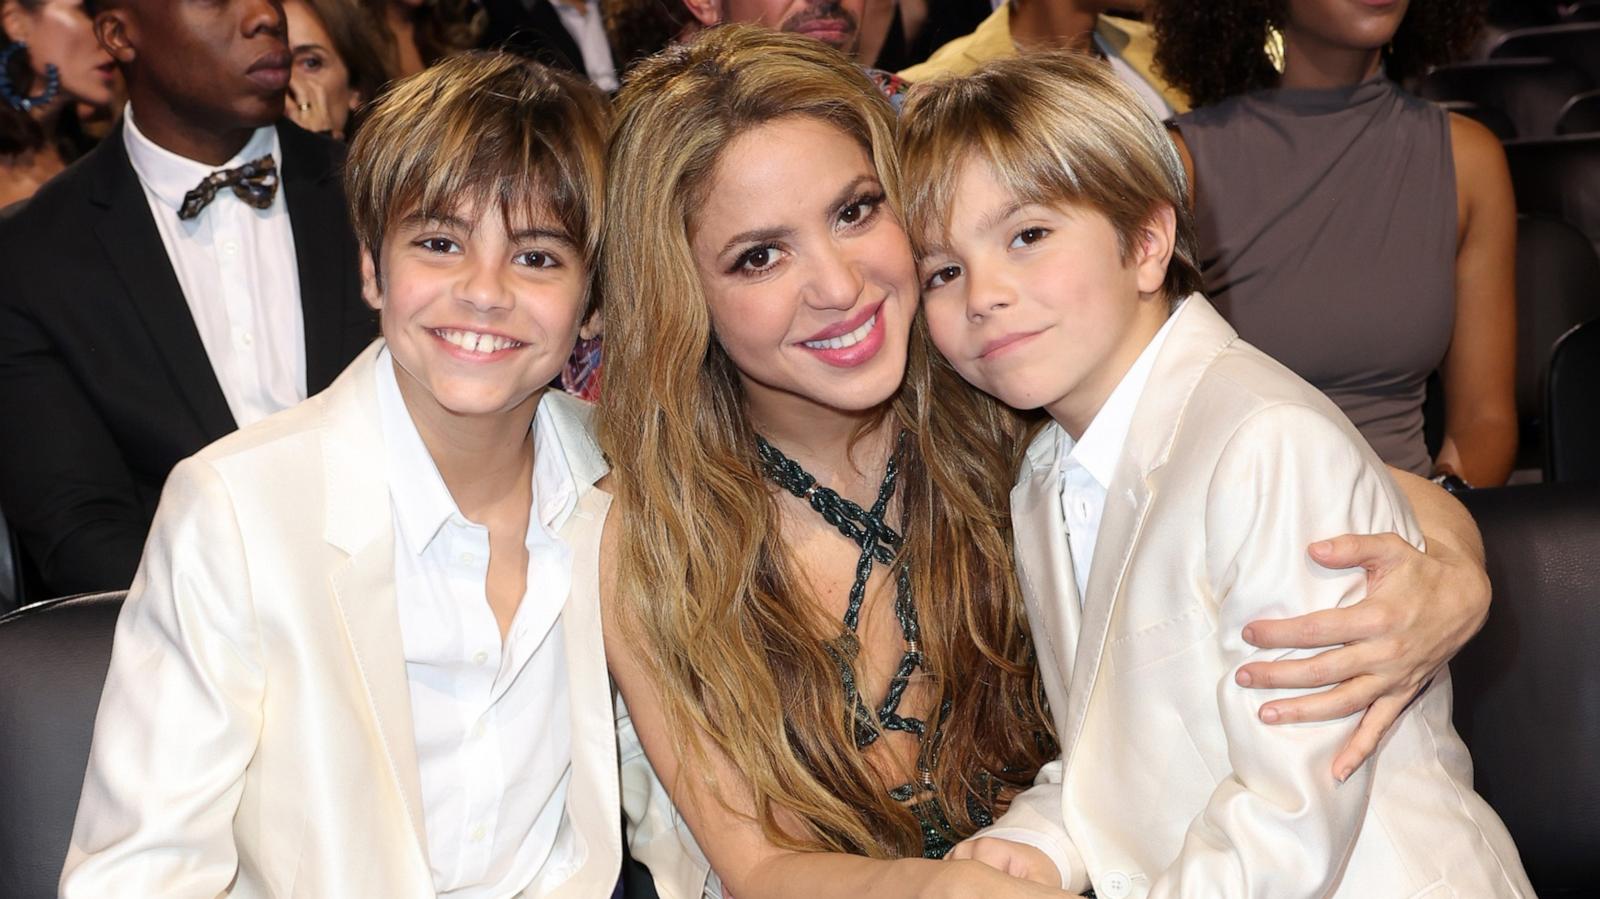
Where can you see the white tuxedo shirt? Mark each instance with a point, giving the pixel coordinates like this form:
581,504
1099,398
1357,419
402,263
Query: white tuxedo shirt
255,735
1169,785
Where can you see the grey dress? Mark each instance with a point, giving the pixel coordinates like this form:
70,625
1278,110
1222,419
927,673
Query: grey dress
1327,226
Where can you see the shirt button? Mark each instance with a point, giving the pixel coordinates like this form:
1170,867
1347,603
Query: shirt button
230,248
247,339
479,658
477,731
1115,885
465,558
478,833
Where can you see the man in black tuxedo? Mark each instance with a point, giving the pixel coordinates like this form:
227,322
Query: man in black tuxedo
194,273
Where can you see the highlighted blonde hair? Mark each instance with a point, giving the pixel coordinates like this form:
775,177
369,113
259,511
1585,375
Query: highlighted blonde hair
482,129
1055,128
728,629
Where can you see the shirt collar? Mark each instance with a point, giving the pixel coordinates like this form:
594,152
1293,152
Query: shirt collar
170,176
422,502
1101,445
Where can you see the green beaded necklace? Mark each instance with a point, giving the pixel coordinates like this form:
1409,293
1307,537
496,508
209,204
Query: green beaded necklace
880,544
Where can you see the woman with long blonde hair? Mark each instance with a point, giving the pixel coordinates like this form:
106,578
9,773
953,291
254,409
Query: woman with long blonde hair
810,605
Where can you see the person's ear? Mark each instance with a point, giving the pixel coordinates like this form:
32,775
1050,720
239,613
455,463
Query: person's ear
17,24
706,12
1153,246
371,289
594,324
117,34
355,100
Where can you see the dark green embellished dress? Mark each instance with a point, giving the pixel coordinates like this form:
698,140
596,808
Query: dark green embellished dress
879,544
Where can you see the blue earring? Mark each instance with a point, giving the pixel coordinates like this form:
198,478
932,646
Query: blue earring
8,91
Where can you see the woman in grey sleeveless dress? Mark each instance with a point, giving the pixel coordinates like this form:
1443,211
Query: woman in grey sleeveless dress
1363,236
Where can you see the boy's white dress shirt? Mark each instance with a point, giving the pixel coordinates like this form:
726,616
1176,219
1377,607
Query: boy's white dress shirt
1086,466
494,750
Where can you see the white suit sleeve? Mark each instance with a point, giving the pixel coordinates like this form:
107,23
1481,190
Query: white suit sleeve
180,715
1279,826
1034,819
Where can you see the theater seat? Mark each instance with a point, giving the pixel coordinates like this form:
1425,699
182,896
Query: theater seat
1572,408
53,660
1527,689
1575,43
10,569
1581,115
1558,286
1559,177
1531,91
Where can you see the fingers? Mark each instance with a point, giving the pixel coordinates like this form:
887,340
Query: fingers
1342,701
1326,627
1370,551
1364,742
1322,670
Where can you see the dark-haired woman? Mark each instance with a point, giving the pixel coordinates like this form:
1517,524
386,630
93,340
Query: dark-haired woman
49,61
1360,234
342,58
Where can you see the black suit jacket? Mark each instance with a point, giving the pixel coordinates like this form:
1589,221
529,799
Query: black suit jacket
532,28
104,383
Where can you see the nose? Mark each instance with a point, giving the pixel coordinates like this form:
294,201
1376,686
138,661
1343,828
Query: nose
836,280
987,292
263,17
483,286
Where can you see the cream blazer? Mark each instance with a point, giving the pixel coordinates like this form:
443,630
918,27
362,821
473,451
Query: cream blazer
254,737
1169,785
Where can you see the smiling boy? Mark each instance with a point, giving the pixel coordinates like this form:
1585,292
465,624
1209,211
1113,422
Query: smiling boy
362,656
1165,505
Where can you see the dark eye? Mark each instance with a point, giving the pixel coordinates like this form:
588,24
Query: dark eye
537,259
1029,236
437,244
757,260
860,209
941,277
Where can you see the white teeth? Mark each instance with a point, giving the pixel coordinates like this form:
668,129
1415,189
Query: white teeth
845,340
474,342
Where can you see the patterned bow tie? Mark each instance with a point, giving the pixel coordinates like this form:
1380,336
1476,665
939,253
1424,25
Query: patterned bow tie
254,182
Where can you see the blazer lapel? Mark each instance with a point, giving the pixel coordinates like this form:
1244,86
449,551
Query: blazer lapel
323,253
1044,559
1197,336
593,800
131,242
360,523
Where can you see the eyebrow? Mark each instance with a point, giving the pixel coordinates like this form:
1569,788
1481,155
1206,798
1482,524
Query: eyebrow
769,234
457,223
301,48
993,219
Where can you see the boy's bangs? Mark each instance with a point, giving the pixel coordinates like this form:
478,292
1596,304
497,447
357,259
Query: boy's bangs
529,193
955,131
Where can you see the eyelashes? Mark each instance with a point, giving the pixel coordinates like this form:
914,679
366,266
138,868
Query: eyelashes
858,213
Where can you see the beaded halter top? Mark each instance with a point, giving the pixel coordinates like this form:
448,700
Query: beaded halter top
879,544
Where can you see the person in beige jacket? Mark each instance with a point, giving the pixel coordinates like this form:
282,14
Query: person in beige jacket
1166,503
363,655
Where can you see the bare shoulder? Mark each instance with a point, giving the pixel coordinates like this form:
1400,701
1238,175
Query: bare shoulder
1477,152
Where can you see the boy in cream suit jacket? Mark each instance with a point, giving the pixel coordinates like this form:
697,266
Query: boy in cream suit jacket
363,656
1165,505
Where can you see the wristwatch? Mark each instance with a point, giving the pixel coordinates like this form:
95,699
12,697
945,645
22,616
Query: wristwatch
1452,482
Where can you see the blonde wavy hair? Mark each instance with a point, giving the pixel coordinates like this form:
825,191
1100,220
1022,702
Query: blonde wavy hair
704,581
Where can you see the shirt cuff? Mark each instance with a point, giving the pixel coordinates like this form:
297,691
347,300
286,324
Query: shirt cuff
1061,855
